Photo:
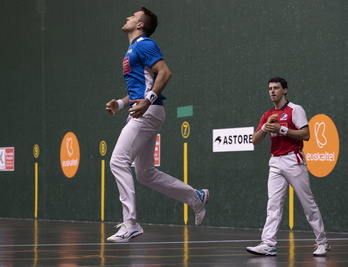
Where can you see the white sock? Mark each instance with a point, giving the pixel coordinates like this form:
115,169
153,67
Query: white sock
130,222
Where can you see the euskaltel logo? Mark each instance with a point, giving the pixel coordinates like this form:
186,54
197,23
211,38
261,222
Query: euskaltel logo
322,150
69,155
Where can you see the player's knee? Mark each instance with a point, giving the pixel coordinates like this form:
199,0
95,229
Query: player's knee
118,162
113,163
144,176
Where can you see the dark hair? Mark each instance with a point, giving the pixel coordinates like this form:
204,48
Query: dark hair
150,21
280,80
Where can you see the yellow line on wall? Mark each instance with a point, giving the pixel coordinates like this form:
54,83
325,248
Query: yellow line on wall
185,180
102,191
291,207
36,193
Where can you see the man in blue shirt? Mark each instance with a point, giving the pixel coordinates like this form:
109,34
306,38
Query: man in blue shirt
146,75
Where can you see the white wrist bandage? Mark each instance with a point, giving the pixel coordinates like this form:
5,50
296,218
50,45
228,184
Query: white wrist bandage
120,104
283,130
151,96
263,128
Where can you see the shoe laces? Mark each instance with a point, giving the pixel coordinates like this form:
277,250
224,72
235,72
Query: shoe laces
321,244
262,243
120,225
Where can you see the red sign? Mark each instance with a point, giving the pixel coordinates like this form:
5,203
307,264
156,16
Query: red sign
157,154
7,158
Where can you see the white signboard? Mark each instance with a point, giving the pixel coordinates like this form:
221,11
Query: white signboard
233,139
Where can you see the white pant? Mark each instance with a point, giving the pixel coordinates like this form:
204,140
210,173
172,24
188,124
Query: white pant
136,143
284,170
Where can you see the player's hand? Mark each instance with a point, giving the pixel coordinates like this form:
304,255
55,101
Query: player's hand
272,127
272,119
140,107
112,107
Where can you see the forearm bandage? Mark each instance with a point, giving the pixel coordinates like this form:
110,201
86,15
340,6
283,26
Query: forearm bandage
120,104
283,130
263,128
151,96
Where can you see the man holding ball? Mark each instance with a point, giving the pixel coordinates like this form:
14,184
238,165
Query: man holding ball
287,125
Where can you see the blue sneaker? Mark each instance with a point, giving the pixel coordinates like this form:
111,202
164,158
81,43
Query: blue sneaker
200,206
126,232
262,249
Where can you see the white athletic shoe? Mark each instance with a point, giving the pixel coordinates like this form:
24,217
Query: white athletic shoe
200,208
321,249
126,232
262,249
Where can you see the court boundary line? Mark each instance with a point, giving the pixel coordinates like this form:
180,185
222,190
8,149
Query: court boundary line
163,243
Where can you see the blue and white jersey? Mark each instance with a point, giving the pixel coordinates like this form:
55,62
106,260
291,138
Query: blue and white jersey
142,54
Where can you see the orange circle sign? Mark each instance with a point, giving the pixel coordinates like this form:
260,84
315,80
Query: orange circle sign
322,150
69,155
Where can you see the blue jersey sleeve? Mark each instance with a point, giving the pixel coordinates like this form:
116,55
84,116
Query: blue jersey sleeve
148,52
